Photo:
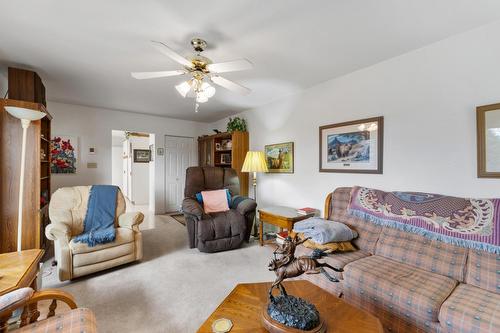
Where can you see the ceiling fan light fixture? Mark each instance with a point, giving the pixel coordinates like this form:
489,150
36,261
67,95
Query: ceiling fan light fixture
201,98
208,90
183,88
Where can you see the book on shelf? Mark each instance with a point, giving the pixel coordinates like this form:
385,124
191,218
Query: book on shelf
306,211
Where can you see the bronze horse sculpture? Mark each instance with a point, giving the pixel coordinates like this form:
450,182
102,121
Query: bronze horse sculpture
288,266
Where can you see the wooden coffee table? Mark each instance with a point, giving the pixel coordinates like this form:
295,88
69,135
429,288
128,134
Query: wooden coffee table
243,306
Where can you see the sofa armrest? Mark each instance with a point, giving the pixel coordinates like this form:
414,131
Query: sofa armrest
243,205
192,207
58,231
129,220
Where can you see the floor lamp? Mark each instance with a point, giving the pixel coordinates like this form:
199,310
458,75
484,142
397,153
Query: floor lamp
26,116
255,161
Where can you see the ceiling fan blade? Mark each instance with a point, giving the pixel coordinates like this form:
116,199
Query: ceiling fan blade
230,66
230,85
172,54
154,75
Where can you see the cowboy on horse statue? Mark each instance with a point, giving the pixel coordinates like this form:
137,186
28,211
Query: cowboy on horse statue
288,266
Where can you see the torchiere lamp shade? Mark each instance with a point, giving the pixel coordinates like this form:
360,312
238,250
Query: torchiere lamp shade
255,161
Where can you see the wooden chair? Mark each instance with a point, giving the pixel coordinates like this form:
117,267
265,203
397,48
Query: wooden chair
76,319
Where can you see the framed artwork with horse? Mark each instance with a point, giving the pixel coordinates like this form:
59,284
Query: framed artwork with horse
353,146
279,157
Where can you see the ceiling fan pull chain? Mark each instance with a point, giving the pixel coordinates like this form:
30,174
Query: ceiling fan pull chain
196,107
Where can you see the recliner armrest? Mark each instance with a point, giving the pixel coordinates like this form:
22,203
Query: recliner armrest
192,207
243,205
129,220
58,231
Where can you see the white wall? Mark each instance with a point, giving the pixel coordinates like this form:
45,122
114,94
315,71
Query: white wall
93,127
140,172
428,98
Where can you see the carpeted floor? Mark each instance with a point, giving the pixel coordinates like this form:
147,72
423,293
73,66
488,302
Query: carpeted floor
173,289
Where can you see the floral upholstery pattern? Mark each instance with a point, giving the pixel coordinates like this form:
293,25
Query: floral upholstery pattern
416,250
411,292
470,310
483,270
75,321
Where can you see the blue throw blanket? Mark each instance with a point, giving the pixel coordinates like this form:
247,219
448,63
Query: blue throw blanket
323,231
99,223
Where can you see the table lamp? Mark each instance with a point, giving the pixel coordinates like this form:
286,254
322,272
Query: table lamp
255,161
26,116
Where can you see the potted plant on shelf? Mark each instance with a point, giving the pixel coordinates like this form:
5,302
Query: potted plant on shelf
236,124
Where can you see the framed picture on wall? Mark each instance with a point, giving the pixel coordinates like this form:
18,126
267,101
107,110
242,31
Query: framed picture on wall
352,147
64,152
142,155
279,157
488,141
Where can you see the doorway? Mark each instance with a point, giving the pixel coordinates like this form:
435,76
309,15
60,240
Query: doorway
179,155
132,168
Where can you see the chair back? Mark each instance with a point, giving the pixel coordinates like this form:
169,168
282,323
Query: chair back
211,178
68,205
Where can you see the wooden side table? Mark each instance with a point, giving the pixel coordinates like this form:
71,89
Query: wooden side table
19,269
280,216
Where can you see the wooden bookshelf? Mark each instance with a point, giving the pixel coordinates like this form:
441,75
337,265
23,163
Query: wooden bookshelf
227,150
36,182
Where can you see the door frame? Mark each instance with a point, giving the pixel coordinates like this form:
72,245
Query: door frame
194,160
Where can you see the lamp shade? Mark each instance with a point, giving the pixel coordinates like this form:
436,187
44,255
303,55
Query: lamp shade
255,161
22,113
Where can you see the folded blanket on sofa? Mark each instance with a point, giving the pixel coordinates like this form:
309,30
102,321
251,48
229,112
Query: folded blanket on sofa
99,223
323,231
470,223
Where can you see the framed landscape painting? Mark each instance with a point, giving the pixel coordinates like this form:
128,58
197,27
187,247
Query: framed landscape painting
279,157
488,141
352,147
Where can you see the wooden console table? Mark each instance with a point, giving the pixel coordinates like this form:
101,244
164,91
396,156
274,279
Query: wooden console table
19,269
244,306
280,216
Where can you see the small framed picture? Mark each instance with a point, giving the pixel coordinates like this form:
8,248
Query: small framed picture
225,158
488,141
142,155
160,151
279,157
352,147
91,150
218,146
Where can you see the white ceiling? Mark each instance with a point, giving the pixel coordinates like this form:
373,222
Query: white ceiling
85,50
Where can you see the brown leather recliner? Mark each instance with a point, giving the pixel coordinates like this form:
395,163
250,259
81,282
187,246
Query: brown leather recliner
216,231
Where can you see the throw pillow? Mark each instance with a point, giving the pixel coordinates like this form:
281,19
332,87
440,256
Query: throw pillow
215,201
199,197
328,247
323,231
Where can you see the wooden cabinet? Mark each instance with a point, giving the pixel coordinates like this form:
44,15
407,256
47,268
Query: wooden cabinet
227,150
36,181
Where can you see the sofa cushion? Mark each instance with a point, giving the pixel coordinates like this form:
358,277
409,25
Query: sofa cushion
397,287
483,270
471,309
123,235
417,250
77,320
337,260
222,231
368,232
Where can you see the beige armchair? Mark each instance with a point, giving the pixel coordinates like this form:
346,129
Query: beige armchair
67,210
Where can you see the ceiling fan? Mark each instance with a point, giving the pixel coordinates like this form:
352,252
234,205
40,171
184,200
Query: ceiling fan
202,71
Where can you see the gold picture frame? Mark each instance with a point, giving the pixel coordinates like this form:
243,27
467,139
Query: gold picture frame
279,157
488,141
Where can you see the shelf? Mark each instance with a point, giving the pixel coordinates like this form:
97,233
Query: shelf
224,151
44,161
44,139
46,177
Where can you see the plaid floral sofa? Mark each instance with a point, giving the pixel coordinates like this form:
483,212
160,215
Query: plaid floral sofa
411,283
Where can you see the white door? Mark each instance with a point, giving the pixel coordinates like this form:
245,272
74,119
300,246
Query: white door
125,167
179,153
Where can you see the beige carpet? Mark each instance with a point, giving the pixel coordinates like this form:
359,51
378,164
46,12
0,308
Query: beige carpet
173,289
